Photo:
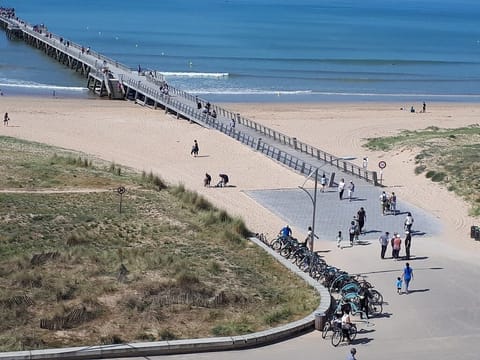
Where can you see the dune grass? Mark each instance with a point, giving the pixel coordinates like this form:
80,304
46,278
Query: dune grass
447,156
76,271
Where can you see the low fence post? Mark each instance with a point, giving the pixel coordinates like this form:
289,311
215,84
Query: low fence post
259,141
375,179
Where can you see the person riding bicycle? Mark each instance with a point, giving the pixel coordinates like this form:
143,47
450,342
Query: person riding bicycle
346,325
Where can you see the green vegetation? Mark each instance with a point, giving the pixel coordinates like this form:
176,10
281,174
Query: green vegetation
76,271
447,156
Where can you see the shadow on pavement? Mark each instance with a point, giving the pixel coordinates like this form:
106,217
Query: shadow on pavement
416,258
418,290
383,315
361,341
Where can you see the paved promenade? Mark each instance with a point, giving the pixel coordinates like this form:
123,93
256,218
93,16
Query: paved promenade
332,215
439,319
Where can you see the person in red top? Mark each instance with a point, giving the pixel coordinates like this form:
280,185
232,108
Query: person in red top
396,244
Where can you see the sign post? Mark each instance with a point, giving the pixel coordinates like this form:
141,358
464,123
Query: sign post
382,165
121,190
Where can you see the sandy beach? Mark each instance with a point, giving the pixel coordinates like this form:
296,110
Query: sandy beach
446,266
150,140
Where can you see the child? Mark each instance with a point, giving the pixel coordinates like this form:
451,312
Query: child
339,239
399,285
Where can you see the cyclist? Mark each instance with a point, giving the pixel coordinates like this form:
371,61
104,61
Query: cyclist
346,325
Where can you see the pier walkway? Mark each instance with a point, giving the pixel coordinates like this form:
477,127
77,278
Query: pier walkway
107,77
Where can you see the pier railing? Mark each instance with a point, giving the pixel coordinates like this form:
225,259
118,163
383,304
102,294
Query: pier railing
187,107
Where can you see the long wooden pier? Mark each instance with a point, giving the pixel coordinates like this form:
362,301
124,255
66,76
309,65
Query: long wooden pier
109,78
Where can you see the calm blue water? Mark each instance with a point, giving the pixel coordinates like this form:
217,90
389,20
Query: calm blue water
265,50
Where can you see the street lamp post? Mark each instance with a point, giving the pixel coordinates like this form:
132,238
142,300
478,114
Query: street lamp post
314,203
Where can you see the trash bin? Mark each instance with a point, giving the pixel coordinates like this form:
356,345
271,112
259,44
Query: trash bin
319,321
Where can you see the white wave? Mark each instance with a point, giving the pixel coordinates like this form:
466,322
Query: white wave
397,95
251,92
32,85
195,74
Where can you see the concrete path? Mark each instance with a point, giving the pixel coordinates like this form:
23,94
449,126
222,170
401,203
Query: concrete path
439,319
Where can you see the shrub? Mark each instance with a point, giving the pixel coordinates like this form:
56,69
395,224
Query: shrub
187,280
437,177
420,169
167,334
430,174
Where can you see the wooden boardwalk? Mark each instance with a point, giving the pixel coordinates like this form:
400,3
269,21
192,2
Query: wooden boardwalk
109,78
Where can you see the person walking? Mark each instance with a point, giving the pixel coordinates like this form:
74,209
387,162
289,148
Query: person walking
341,188
407,276
207,180
351,189
384,202
339,239
323,183
362,217
365,163
352,354
399,285
352,230
408,222
6,119
397,244
195,149
408,243
383,239
393,204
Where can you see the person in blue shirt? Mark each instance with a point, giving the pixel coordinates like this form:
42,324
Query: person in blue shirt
399,285
286,231
351,356
407,276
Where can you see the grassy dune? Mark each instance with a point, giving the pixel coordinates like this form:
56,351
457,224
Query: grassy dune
448,156
76,271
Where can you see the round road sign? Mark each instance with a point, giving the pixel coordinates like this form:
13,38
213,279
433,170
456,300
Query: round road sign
382,164
121,190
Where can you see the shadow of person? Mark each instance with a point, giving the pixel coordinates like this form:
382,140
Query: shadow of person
417,290
416,258
361,341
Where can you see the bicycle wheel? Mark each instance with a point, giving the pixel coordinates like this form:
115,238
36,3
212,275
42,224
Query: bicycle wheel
325,330
376,297
375,309
285,252
353,332
277,245
337,337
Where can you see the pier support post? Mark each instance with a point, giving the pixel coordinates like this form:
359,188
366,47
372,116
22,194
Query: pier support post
259,142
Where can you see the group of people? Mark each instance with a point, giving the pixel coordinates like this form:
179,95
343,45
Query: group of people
356,228
207,109
224,179
396,240
341,189
7,12
407,277
388,203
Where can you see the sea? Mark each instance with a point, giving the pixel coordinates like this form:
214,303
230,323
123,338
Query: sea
263,50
